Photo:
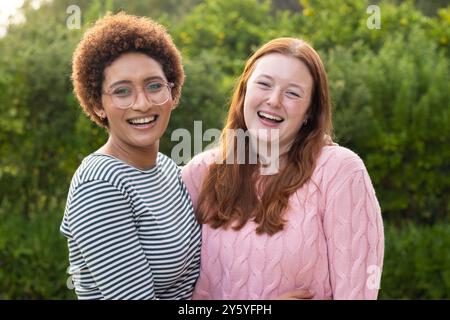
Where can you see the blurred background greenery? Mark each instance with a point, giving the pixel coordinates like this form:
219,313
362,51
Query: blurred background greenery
390,89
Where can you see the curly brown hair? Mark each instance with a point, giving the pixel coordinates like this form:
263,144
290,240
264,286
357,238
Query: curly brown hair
110,37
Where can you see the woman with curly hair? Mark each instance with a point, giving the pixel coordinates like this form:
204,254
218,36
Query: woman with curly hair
312,228
129,221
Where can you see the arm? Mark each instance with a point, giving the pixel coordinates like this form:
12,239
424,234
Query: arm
103,228
299,294
354,231
193,175
192,185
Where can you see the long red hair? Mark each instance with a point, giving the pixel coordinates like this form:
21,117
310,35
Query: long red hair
229,193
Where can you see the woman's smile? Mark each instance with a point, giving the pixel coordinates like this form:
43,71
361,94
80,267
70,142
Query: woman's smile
143,123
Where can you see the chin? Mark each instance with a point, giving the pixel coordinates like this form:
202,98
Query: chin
147,143
265,134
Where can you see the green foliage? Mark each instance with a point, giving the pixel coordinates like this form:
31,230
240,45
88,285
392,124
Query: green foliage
224,27
231,30
204,98
390,90
416,262
40,131
392,108
33,258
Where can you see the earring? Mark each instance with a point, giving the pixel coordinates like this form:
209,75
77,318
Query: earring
305,122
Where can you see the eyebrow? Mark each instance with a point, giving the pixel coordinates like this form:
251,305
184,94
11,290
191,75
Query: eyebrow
128,81
302,87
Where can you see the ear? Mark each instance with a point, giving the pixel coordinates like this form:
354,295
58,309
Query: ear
308,114
100,113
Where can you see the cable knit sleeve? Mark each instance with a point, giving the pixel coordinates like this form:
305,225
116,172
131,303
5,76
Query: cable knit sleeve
354,231
195,171
192,185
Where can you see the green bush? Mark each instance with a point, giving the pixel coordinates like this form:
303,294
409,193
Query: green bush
391,107
416,262
390,88
33,258
203,99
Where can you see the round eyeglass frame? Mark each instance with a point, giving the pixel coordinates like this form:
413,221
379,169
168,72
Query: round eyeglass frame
169,86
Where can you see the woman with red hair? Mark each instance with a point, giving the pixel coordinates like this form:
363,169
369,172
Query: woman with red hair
310,229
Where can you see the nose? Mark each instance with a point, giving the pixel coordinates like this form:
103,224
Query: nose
141,102
274,99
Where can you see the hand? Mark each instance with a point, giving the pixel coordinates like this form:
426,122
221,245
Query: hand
299,294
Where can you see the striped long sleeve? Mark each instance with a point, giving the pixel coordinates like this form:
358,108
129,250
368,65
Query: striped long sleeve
104,231
131,233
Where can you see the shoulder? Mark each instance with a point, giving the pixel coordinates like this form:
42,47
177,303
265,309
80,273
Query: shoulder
337,158
167,164
201,161
100,168
335,166
194,172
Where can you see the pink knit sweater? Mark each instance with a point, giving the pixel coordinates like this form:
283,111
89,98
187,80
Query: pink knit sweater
332,244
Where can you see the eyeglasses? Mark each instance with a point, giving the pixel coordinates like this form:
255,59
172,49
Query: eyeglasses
156,92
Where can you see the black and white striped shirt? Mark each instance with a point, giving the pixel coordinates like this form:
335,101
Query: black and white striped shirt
131,233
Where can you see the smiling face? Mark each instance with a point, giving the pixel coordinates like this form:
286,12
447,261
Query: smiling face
142,124
278,96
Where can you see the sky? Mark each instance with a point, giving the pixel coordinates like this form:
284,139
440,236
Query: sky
9,8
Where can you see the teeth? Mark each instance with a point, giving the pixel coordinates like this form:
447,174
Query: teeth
142,120
269,116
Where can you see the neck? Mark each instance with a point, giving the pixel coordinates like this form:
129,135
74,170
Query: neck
143,158
272,156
